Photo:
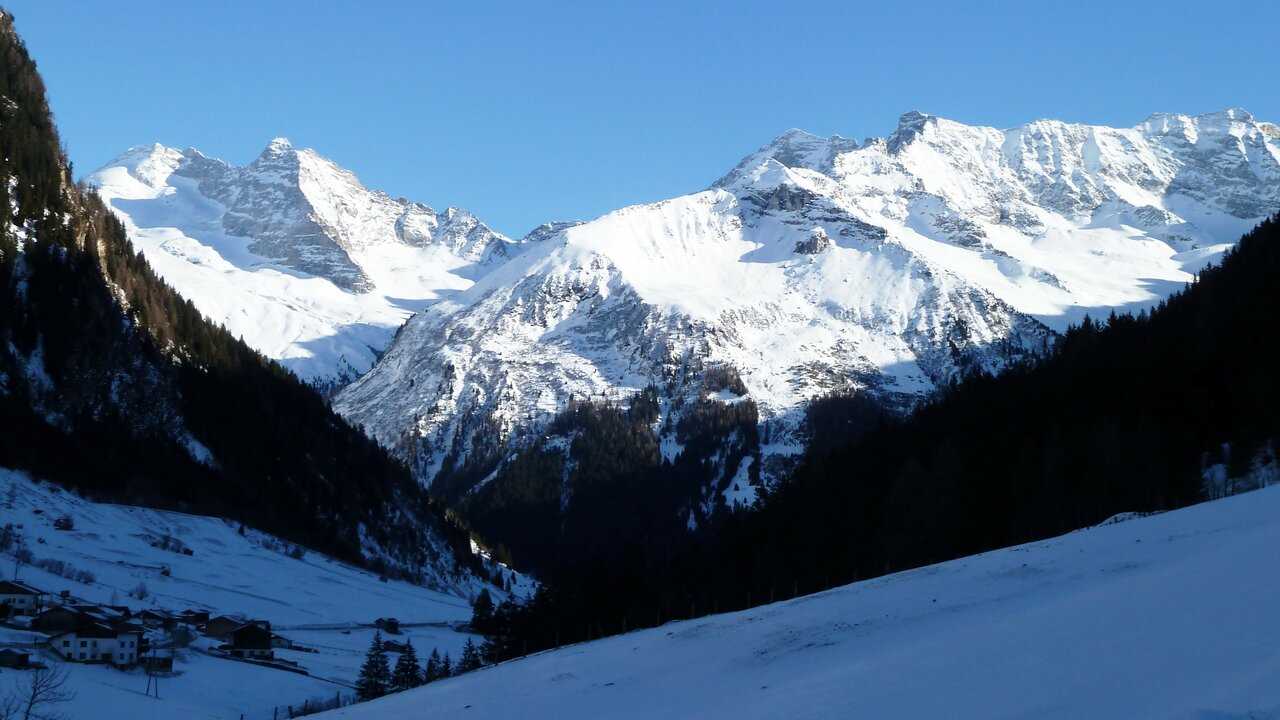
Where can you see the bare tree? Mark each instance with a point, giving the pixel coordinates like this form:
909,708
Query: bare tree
44,690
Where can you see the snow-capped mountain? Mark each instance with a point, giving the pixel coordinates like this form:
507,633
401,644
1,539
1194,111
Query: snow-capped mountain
292,253
891,265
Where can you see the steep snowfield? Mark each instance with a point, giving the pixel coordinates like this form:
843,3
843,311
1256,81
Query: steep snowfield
1170,616
891,266
292,253
227,572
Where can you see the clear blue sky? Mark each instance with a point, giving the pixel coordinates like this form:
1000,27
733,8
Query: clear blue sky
526,112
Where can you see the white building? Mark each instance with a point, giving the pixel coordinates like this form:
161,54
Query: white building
21,598
98,643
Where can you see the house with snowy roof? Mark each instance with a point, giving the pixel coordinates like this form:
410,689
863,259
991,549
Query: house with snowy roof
19,598
97,642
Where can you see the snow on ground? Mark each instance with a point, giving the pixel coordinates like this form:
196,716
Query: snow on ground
1167,616
203,687
317,602
342,650
226,573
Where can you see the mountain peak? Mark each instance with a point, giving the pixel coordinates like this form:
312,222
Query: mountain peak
1231,113
793,135
151,164
910,125
277,149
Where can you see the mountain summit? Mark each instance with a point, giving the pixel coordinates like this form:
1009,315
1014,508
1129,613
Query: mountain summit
292,252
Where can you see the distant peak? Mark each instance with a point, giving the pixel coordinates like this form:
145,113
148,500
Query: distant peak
796,134
152,163
278,148
141,152
1231,113
910,125
912,119
152,152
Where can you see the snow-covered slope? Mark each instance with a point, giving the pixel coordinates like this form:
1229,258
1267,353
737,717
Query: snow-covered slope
292,253
227,571
314,600
1170,616
892,265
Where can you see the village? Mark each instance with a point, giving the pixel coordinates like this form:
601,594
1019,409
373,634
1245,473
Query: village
42,629
79,631
165,614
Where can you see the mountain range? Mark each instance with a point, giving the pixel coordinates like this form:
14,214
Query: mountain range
892,266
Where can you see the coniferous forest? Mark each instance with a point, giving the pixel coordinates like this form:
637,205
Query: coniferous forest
113,384
1129,414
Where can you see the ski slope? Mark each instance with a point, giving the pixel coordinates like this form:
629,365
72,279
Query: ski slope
1168,616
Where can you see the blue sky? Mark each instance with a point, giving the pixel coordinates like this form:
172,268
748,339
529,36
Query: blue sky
527,112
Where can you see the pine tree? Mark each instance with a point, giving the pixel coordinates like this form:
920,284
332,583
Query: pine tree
446,667
432,671
407,673
375,675
482,612
470,658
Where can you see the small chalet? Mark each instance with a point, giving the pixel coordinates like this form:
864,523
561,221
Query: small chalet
250,640
194,617
58,619
156,618
395,647
97,642
11,658
222,626
19,598
280,641
69,617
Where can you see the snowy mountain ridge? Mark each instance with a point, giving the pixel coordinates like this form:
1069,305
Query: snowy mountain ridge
292,252
889,266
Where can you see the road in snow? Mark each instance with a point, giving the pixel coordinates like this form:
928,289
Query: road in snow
1169,616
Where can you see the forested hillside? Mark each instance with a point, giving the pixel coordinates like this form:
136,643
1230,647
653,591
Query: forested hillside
113,384
600,479
1140,413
